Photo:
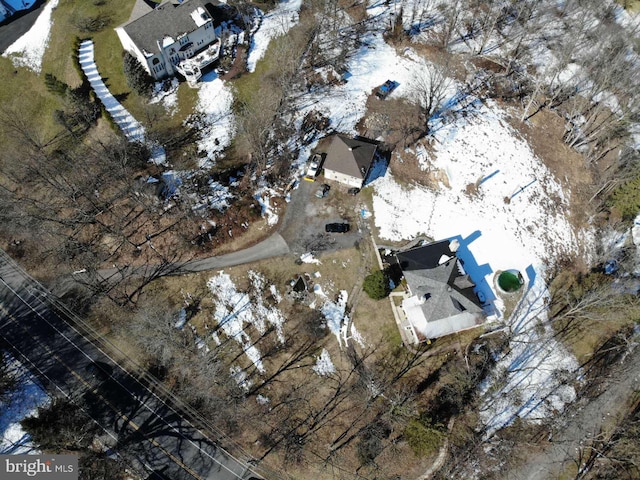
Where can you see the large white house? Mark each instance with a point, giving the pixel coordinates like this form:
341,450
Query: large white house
441,297
180,36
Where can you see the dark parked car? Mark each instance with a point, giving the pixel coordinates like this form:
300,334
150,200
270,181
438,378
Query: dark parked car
353,191
323,191
336,227
100,371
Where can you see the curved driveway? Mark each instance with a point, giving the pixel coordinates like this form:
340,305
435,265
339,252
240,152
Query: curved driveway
302,230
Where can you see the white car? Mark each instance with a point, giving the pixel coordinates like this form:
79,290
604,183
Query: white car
312,169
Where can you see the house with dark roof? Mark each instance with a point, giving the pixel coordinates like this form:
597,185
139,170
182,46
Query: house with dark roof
180,36
349,160
441,298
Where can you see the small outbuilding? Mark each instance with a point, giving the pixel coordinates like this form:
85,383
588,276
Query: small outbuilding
349,160
300,284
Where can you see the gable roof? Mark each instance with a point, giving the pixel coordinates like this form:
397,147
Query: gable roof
173,19
350,156
443,299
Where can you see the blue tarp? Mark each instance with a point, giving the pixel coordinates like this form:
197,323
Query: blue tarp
17,5
169,185
9,7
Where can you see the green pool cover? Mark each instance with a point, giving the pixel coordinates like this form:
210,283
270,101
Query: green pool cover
510,281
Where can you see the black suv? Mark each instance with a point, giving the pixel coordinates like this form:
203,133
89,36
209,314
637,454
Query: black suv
336,227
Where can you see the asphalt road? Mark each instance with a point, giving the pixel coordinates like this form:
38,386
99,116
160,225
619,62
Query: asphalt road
144,428
17,25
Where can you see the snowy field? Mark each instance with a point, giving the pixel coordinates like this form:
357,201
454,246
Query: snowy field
21,403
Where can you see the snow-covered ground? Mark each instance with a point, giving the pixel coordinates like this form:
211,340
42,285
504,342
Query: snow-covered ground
334,312
166,95
264,195
274,24
235,310
21,403
215,99
324,366
29,49
523,233
374,63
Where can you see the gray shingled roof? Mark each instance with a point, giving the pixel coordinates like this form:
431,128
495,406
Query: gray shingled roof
349,156
169,18
447,292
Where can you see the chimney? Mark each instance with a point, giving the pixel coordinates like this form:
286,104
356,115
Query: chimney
454,245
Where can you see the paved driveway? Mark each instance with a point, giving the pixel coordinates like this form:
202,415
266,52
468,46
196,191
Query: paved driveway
306,216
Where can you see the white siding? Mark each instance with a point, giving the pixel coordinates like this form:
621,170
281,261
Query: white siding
131,47
200,39
342,178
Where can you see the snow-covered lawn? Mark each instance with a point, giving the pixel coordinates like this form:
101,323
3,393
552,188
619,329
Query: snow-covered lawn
517,219
274,24
235,310
374,63
29,49
215,99
21,403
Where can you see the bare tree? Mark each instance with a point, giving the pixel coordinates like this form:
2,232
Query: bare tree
449,25
85,201
429,89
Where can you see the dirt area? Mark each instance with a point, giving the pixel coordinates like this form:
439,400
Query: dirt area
306,215
340,270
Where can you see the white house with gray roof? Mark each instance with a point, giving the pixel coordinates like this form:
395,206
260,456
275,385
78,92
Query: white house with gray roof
177,36
349,160
441,299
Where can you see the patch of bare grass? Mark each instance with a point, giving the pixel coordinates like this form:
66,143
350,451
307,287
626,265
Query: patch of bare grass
631,5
